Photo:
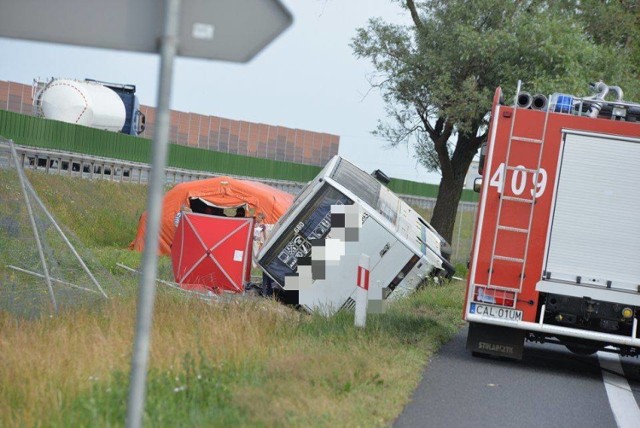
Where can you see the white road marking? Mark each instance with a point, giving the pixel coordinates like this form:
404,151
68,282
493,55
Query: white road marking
623,404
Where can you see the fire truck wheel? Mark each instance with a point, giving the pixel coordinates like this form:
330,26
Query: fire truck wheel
582,349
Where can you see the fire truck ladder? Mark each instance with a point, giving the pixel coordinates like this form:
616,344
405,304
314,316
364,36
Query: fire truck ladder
500,225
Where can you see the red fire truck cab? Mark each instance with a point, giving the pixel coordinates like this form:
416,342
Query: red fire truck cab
556,251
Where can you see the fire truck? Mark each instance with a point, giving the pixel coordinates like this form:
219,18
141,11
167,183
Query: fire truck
556,247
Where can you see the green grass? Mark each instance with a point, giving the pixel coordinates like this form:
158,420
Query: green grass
243,362
250,362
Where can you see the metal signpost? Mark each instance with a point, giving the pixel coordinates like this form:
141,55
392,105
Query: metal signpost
227,30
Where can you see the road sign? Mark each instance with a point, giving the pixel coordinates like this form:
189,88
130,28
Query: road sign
226,30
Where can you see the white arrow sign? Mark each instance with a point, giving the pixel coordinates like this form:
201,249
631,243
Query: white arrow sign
227,30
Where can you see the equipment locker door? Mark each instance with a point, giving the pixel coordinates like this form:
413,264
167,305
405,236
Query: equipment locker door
595,232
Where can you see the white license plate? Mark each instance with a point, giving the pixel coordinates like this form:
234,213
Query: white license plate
497,312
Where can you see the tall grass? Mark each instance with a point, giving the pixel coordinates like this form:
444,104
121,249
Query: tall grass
241,362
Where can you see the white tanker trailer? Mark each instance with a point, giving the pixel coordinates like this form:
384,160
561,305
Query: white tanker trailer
102,105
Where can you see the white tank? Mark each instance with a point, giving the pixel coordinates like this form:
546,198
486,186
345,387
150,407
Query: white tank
84,103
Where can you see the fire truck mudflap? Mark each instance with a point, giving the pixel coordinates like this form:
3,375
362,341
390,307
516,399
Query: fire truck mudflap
495,340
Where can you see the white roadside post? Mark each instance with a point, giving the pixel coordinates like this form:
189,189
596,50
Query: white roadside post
362,291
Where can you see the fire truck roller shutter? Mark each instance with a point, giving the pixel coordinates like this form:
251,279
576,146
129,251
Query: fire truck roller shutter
594,234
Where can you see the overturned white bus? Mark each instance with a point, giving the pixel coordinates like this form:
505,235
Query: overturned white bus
403,248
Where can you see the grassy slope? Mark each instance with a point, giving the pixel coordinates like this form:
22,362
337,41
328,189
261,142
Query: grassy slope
246,362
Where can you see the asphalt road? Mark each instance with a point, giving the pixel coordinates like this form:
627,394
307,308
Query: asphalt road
549,387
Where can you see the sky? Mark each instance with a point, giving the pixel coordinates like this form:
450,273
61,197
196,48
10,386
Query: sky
307,78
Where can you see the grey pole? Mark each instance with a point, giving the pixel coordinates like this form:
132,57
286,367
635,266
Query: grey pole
146,297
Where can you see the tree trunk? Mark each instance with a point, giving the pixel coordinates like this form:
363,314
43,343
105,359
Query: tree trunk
450,191
444,212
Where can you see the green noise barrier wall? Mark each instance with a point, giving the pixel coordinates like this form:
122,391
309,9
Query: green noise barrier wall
50,134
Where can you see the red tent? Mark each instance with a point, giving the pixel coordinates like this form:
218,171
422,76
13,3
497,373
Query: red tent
212,253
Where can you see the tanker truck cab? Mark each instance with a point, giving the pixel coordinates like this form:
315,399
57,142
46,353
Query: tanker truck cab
556,242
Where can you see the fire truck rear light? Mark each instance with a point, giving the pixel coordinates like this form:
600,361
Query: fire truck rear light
494,296
627,313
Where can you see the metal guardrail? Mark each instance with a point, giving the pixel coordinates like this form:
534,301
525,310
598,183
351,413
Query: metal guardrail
96,167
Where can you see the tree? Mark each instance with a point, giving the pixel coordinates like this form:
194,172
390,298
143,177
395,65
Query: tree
437,76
